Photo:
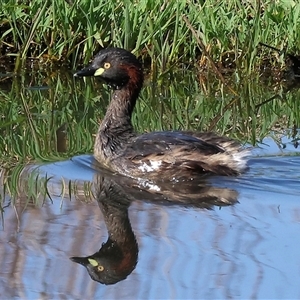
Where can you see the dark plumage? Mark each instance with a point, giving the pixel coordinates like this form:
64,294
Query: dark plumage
155,155
118,257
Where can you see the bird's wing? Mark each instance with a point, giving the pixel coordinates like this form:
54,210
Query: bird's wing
167,142
200,153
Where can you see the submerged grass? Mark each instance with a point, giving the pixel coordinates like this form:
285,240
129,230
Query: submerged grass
72,31
27,185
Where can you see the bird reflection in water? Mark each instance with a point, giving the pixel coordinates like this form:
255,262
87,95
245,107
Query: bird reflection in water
118,257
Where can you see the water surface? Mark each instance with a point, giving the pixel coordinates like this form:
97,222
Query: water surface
245,250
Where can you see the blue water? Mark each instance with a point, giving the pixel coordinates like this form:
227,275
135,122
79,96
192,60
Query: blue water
242,251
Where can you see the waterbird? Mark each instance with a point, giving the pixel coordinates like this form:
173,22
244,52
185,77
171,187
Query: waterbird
159,155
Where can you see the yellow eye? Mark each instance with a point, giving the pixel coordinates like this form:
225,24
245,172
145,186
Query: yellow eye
100,268
106,65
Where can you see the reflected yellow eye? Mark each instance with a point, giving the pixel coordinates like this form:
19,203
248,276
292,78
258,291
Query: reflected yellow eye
100,268
93,262
106,65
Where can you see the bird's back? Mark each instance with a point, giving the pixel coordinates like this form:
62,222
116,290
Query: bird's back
172,155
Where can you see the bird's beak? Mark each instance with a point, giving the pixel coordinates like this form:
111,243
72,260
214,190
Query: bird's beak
89,71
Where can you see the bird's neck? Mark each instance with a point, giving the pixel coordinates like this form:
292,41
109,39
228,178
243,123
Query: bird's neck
119,111
114,204
116,128
118,224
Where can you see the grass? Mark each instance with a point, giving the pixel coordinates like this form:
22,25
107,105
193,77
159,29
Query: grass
70,32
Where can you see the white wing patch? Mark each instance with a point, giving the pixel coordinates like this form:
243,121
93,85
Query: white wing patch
152,166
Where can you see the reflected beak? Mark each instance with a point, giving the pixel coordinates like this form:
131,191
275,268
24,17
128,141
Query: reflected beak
80,260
